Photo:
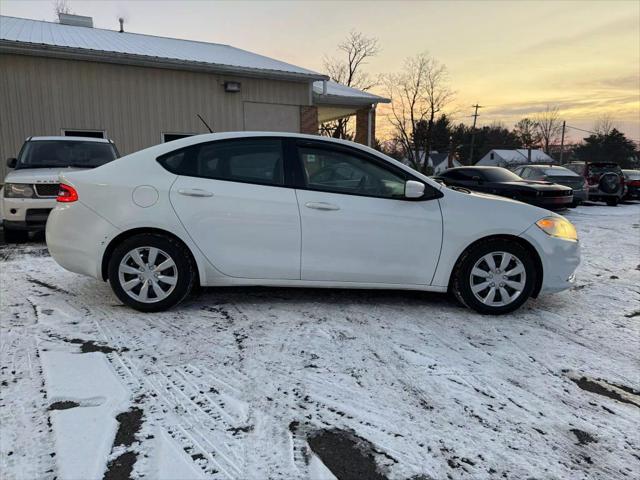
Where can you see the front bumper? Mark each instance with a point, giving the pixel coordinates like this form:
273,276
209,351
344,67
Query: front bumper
559,258
77,238
551,202
26,213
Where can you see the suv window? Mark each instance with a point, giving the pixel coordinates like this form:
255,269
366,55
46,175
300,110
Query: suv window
257,160
338,171
65,153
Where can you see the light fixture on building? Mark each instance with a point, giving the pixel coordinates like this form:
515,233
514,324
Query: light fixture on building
232,87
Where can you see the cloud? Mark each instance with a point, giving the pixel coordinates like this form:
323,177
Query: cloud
620,25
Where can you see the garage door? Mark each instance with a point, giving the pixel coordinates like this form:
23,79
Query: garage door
271,117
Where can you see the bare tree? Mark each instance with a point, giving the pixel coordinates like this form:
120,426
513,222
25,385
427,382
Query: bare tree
527,133
604,125
548,126
61,6
358,49
418,93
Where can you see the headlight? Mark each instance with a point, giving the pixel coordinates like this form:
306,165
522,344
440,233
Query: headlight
558,227
18,190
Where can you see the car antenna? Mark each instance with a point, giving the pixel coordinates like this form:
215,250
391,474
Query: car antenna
205,123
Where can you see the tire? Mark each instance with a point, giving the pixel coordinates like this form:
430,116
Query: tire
612,202
15,236
165,288
463,282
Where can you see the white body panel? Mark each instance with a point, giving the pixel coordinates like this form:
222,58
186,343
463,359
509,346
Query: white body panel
349,238
245,230
249,234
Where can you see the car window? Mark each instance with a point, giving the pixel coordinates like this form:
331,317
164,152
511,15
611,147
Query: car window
341,172
244,160
65,153
559,172
500,175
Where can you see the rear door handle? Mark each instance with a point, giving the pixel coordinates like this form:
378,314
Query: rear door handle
194,192
321,206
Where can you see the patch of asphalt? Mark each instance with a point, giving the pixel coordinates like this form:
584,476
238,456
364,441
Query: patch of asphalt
130,423
348,456
609,390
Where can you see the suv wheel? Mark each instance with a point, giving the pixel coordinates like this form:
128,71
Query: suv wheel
151,272
494,277
612,202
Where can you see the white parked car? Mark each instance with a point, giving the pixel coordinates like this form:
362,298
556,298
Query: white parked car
293,210
30,189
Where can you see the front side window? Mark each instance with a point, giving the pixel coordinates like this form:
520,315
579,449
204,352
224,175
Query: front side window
65,153
341,172
243,160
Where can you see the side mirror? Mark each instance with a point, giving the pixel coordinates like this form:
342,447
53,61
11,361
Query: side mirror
12,162
413,189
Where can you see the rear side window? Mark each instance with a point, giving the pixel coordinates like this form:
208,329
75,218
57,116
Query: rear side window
244,160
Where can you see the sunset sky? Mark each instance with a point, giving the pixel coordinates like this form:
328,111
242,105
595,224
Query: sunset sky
512,57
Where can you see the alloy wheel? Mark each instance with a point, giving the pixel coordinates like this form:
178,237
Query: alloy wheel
497,279
147,274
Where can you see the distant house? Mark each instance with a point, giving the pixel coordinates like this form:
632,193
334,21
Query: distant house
509,158
440,162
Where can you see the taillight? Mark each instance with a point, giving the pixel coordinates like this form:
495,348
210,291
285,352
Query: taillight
66,193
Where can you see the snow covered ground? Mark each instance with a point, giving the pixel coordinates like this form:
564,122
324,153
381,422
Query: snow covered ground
284,383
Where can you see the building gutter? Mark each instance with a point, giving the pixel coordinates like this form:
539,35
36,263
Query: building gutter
69,53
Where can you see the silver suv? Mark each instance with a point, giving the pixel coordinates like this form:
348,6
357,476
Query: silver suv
30,190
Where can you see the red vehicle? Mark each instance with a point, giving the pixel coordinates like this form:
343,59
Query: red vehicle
605,179
632,179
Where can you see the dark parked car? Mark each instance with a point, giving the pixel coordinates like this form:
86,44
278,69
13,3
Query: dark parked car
605,179
503,182
632,181
559,175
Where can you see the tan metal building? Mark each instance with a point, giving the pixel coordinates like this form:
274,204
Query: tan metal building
69,78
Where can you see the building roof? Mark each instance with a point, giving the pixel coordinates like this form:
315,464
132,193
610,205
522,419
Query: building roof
338,94
514,156
34,36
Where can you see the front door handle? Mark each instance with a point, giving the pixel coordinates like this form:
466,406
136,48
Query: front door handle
321,206
194,192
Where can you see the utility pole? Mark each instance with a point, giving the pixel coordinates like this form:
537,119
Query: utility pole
564,126
473,131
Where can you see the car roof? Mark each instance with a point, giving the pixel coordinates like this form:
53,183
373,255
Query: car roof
69,139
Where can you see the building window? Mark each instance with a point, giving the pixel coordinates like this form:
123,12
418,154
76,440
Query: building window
492,156
84,133
169,137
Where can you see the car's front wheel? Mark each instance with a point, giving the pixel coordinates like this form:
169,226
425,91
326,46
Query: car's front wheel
495,276
151,272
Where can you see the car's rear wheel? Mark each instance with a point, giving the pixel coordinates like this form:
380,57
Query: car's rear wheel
151,272
494,277
612,202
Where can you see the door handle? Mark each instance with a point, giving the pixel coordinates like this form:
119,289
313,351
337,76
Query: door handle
194,192
321,206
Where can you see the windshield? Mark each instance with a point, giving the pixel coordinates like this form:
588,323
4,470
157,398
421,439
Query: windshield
500,175
65,153
560,172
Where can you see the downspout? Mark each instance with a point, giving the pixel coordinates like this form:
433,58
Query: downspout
369,126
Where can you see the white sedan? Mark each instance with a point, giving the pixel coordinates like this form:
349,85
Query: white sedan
277,209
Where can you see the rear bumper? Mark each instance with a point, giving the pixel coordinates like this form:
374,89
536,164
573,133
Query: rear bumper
559,258
77,238
632,192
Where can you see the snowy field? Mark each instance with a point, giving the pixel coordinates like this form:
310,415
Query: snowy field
283,383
